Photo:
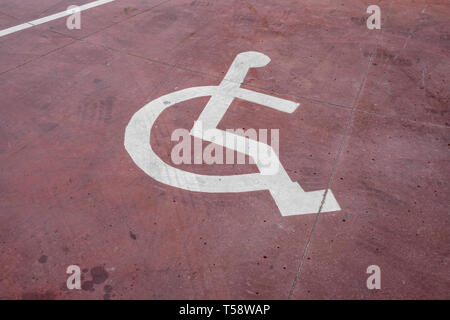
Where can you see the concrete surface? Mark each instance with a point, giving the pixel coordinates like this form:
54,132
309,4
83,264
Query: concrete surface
373,126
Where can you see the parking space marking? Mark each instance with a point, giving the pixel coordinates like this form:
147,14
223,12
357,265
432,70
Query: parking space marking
52,17
289,196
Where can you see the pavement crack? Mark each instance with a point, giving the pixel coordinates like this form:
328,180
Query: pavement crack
333,170
341,147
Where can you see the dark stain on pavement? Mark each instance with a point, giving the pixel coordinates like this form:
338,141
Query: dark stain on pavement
358,21
48,295
46,127
107,288
99,274
87,286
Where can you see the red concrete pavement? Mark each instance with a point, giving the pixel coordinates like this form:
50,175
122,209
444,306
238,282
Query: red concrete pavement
373,126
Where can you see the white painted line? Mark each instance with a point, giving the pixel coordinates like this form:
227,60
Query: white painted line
55,16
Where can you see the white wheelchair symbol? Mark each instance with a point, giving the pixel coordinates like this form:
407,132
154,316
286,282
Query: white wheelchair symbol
290,198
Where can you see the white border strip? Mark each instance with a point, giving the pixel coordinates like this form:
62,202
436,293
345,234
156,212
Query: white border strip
55,16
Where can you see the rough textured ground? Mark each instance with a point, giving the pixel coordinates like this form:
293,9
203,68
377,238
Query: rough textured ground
373,126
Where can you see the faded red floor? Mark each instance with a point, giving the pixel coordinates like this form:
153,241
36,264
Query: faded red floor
373,125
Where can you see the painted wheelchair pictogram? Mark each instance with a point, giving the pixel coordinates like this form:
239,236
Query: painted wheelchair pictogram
290,198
